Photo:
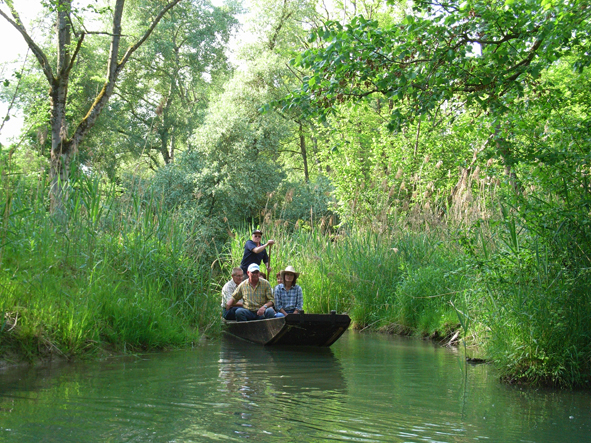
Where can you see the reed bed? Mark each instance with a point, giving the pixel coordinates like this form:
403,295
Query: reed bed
112,273
496,288
116,272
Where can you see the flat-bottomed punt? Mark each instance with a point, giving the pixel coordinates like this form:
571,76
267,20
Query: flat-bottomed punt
292,330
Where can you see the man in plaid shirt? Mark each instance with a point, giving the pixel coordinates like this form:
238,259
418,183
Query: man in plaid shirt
257,297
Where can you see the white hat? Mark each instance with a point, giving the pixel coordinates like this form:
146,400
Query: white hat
290,269
253,267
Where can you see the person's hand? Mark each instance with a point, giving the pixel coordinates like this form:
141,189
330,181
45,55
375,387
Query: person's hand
270,242
261,311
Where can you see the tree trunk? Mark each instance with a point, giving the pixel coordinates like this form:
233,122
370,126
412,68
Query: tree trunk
304,153
61,149
64,148
505,152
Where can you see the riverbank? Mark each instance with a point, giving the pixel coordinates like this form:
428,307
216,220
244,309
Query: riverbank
109,275
508,298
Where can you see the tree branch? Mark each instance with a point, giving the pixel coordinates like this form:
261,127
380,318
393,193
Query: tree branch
12,100
18,25
114,68
76,51
133,48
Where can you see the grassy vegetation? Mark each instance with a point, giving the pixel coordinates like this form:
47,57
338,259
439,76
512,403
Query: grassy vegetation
498,288
118,273
113,273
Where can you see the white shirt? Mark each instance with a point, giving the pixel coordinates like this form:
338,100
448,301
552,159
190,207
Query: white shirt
227,292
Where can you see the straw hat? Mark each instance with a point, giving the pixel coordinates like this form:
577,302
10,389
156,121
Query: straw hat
291,270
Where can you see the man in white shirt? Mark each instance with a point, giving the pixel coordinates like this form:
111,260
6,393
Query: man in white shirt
227,291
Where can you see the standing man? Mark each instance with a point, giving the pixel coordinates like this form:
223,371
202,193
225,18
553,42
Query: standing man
227,292
255,252
256,295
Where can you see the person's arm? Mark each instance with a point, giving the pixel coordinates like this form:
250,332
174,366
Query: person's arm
229,304
262,247
236,297
270,301
226,294
277,301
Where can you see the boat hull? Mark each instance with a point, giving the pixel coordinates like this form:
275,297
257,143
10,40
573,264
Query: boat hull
292,330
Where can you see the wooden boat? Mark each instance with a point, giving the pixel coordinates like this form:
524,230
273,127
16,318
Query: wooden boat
292,330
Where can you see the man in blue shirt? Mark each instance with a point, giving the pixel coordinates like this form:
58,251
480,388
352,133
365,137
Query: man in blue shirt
255,252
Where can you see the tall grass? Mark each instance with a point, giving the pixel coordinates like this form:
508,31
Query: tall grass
536,309
404,280
113,273
496,287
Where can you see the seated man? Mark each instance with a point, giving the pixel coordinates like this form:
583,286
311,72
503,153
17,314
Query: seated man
227,292
256,295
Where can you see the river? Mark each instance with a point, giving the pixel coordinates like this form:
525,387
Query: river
365,388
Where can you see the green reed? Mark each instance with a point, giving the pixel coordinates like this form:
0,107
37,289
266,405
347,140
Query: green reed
497,288
536,306
116,273
379,280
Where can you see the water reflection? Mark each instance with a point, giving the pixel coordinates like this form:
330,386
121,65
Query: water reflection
284,370
277,389
365,388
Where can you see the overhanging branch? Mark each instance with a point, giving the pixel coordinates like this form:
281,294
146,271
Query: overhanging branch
41,57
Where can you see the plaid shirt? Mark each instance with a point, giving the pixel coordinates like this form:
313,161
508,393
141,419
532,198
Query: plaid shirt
255,297
292,299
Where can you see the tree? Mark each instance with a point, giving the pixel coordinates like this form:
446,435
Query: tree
232,165
450,53
165,90
448,59
65,141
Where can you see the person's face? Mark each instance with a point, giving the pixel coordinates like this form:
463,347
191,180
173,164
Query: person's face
279,281
253,277
237,277
288,277
257,237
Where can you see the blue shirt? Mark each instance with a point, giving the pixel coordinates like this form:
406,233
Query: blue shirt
250,257
292,299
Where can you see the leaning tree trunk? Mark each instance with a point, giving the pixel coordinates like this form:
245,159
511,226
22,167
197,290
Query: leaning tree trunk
61,150
63,147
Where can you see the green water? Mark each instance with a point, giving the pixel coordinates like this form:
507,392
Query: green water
366,388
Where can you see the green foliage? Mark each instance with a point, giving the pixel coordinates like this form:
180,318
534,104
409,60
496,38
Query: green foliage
430,176
535,308
295,203
503,293
481,52
120,274
231,168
